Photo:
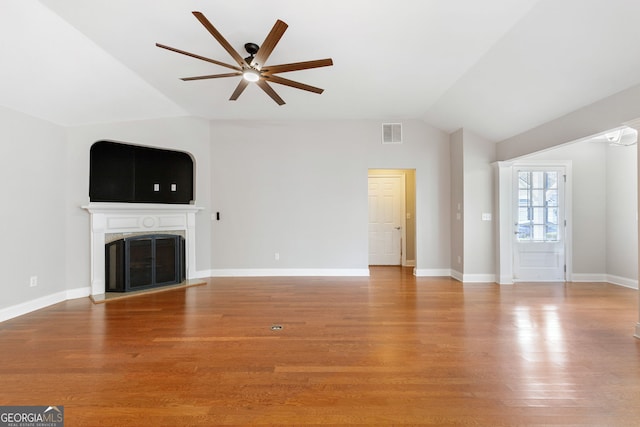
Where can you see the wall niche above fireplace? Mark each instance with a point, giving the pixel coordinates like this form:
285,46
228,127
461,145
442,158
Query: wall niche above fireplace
135,174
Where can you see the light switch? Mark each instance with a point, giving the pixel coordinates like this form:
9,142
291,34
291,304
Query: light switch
486,217
174,187
156,187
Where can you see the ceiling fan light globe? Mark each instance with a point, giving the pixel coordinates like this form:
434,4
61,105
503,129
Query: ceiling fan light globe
251,75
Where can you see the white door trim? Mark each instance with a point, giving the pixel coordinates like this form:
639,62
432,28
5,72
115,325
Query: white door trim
403,212
504,229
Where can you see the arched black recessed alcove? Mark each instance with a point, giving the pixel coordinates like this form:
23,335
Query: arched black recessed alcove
134,174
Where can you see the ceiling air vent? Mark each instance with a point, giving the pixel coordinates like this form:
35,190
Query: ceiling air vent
392,133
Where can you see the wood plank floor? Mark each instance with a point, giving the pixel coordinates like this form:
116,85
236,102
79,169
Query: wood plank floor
391,349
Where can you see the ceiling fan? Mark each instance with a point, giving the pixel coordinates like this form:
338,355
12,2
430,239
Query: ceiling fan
253,68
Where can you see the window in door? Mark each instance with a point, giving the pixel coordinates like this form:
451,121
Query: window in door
538,206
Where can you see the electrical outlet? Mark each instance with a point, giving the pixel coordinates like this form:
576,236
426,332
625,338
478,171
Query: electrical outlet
277,256
33,281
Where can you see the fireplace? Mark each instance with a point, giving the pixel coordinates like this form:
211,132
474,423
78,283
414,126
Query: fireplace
130,220
143,262
136,190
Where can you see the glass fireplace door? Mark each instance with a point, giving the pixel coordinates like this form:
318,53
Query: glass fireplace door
166,260
140,262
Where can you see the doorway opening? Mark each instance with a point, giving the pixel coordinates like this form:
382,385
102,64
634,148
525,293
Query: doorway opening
535,233
392,217
540,222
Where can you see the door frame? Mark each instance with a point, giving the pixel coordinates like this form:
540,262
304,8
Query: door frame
504,239
403,235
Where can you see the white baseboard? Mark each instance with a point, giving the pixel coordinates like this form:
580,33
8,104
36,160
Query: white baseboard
289,272
42,302
473,278
432,272
78,293
201,274
479,278
606,278
622,281
578,277
506,280
457,275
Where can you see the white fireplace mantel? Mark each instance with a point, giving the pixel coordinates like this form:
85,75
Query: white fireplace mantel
107,218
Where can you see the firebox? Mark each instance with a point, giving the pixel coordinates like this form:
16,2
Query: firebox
143,262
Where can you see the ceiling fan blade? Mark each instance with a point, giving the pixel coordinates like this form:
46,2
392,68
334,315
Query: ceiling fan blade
295,66
210,76
239,89
269,91
269,44
193,55
216,34
291,83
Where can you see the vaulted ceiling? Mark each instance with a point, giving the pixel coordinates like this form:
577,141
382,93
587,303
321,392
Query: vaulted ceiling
497,67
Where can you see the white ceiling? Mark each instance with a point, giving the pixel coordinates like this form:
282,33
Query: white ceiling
496,67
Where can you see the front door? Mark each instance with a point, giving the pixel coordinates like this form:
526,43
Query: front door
386,211
539,237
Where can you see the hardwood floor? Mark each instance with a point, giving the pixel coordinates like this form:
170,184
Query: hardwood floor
391,349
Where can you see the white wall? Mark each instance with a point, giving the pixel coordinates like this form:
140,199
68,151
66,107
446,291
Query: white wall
621,211
479,235
605,114
300,189
472,187
32,218
185,134
605,189
589,195
457,203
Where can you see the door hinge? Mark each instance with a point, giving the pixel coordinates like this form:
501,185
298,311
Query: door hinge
565,222
565,268
564,177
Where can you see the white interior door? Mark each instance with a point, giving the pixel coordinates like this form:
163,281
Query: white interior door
386,213
539,226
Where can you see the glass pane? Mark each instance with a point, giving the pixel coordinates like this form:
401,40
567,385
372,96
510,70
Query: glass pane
538,232
538,179
524,232
523,215
538,206
538,215
537,197
552,216
166,260
523,197
140,263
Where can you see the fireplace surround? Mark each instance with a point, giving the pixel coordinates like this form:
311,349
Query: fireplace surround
135,218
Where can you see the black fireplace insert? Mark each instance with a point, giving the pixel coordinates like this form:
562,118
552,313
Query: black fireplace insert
143,262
